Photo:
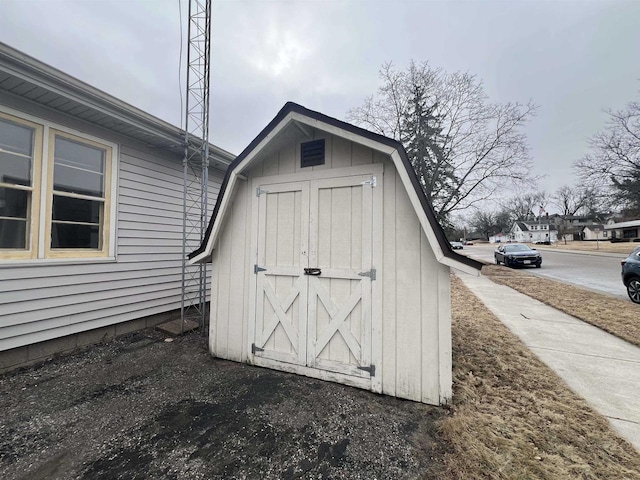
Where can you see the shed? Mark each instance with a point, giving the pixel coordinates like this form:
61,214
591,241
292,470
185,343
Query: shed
328,261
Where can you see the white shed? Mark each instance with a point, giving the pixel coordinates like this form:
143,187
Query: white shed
328,261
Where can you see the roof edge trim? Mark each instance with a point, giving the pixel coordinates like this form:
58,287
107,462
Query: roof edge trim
34,71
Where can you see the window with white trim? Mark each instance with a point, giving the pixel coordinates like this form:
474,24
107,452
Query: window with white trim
76,192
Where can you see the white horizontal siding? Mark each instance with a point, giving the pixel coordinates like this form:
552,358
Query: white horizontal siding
45,300
85,322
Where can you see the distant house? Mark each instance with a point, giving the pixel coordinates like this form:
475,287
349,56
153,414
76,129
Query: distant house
91,193
570,227
624,230
594,232
476,236
533,232
499,238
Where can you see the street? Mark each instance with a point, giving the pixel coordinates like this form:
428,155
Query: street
599,272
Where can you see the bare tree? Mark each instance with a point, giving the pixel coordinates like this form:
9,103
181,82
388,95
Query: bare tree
570,200
474,147
485,222
525,206
614,161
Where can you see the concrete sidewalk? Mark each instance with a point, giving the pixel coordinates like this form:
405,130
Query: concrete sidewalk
601,368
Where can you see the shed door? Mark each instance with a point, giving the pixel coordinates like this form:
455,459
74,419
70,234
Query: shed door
281,290
339,315
321,321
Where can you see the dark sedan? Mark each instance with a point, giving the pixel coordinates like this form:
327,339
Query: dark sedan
631,275
517,255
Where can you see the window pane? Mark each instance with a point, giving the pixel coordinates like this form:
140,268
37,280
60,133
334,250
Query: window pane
13,203
13,233
16,138
65,235
76,210
15,169
79,155
72,180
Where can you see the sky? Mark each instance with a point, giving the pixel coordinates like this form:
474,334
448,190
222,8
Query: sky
572,58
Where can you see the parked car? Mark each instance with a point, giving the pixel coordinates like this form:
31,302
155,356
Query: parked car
456,245
631,275
517,254
468,242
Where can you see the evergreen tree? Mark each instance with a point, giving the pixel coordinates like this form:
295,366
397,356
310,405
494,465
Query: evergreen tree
422,137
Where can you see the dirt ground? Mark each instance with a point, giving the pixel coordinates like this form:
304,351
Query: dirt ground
138,408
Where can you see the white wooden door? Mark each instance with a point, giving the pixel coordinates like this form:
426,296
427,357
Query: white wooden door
340,246
314,274
281,290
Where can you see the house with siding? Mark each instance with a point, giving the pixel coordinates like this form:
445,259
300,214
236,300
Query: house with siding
626,231
572,227
532,232
594,232
91,214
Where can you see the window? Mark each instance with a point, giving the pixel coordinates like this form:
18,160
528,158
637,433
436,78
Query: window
630,233
20,143
77,203
73,218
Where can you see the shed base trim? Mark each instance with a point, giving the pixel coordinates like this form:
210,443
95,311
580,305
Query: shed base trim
363,383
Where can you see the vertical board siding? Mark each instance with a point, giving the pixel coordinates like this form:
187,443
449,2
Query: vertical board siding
389,282
237,272
430,282
408,301
445,360
41,301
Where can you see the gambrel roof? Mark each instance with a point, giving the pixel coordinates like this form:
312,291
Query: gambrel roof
305,120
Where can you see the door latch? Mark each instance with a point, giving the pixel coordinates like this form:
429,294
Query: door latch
313,271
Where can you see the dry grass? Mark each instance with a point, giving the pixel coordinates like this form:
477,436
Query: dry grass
624,248
514,418
618,317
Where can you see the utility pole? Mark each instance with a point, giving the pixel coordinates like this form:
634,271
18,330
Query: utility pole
196,161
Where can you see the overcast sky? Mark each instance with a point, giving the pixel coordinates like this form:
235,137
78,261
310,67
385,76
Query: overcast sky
572,58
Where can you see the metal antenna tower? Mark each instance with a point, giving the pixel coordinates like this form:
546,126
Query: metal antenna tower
196,161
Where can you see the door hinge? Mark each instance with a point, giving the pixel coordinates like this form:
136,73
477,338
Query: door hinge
373,182
260,191
371,274
371,369
255,349
257,269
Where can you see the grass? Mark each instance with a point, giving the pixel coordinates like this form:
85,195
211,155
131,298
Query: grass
512,417
613,315
604,246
